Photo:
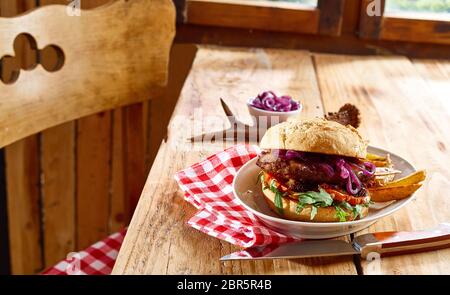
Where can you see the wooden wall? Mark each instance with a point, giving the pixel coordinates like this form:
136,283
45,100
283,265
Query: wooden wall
73,184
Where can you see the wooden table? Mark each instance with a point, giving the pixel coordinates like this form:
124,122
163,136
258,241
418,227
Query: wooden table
405,108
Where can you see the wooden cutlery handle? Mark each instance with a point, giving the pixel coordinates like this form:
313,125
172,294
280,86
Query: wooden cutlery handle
396,243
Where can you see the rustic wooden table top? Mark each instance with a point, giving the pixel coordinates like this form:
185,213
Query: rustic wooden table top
405,109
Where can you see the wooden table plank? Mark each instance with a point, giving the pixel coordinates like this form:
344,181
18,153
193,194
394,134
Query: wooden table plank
238,75
158,240
402,113
436,74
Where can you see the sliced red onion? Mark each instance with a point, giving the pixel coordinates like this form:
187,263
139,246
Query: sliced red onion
371,168
295,105
285,100
366,168
344,173
350,188
269,101
257,103
353,180
271,93
277,107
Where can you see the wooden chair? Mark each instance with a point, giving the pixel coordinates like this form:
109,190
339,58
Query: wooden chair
107,57
104,58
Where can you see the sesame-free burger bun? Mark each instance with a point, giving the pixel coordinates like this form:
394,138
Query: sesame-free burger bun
316,136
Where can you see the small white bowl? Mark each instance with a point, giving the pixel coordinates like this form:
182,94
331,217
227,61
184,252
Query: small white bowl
245,180
273,117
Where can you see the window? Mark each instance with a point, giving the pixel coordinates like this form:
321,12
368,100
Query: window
298,16
312,3
431,9
425,21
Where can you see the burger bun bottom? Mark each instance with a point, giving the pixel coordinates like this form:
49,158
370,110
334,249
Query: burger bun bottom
324,214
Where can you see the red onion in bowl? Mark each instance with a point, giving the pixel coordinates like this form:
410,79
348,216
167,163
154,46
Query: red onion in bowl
269,101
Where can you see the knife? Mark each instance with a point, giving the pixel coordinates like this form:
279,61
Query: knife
383,243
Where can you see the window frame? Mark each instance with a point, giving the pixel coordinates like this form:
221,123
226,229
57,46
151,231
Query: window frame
325,19
408,27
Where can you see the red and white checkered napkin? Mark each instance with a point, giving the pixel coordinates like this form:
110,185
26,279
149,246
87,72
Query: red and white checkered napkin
98,259
207,186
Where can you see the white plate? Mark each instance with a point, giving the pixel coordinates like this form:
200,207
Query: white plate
245,181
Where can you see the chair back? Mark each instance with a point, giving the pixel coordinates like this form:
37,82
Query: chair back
106,57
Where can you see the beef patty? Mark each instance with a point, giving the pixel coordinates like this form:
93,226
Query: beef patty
298,175
303,173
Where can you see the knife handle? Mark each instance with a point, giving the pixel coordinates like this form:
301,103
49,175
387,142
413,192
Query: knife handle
396,243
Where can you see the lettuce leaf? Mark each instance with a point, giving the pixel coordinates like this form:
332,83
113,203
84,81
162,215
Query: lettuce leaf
315,199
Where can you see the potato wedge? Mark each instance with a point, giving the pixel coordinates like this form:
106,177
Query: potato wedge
390,193
374,157
408,180
380,163
383,180
383,171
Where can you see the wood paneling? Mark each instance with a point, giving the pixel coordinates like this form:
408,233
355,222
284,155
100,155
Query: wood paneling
281,17
89,172
58,189
129,155
58,186
4,241
93,178
134,155
12,8
22,173
24,214
118,213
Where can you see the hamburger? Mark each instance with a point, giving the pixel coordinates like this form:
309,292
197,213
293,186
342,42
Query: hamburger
314,170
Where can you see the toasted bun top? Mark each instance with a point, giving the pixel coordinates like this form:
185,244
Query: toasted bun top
316,136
